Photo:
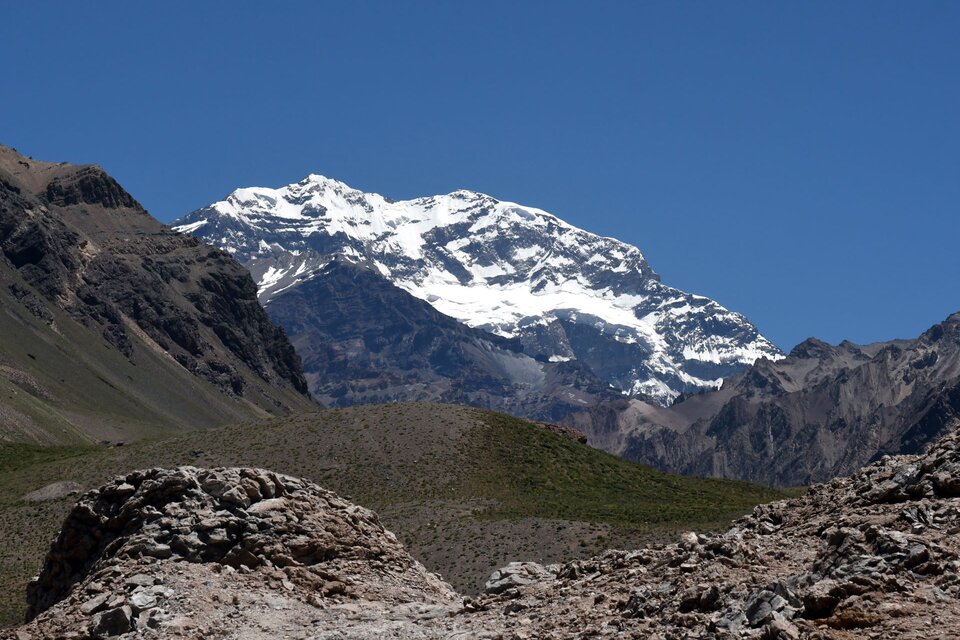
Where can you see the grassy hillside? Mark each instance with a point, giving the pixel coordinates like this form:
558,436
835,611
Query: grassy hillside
466,490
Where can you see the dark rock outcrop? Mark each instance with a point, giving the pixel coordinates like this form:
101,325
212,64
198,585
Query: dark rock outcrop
365,340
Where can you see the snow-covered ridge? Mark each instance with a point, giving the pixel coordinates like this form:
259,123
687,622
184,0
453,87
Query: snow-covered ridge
507,268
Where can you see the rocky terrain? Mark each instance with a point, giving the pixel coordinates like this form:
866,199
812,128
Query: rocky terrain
561,293
244,553
115,326
465,490
217,536
823,411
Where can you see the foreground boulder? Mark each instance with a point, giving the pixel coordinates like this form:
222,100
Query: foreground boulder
518,574
244,553
159,552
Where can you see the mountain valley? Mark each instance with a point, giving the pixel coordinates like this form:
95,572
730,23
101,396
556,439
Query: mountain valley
242,553
428,326
465,490
463,298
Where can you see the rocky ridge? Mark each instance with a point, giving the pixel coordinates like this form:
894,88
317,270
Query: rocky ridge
77,249
246,553
824,411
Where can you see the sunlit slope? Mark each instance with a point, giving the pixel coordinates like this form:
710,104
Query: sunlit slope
466,490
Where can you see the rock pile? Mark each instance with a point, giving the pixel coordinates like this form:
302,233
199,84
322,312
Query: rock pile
111,568
518,574
248,554
872,556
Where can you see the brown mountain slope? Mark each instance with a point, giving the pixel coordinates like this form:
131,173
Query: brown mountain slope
822,412
114,326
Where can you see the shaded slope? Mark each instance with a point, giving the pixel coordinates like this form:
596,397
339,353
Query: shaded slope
466,490
364,341
88,276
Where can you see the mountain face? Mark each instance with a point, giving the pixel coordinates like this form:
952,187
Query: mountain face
513,271
109,317
367,341
821,412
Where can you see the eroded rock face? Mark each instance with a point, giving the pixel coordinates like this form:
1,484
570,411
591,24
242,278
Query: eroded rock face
72,237
121,545
245,553
876,555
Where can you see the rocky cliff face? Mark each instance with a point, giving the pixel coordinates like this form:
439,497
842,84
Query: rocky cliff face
73,241
821,412
511,270
243,553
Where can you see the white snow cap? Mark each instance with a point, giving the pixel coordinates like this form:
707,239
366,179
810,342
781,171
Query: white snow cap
495,265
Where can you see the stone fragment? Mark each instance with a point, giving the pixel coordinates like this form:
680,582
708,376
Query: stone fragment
140,580
779,628
95,604
517,574
142,600
820,600
112,622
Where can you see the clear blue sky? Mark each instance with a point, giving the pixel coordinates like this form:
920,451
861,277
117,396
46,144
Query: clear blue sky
796,161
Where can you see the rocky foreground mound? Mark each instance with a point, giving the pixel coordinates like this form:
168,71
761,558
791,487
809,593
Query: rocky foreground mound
216,552
241,553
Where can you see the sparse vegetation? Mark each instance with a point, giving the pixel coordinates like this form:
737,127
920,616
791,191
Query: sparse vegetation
547,476
466,490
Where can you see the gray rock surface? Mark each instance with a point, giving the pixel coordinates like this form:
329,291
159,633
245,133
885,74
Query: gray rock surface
53,491
518,574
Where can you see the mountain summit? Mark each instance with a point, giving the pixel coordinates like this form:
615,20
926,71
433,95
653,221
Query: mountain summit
512,270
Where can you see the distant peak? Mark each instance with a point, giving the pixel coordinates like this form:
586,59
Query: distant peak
321,179
468,194
811,348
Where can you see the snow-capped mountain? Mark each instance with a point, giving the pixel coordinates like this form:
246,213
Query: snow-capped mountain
512,270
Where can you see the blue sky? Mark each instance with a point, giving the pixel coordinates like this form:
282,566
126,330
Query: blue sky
798,162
